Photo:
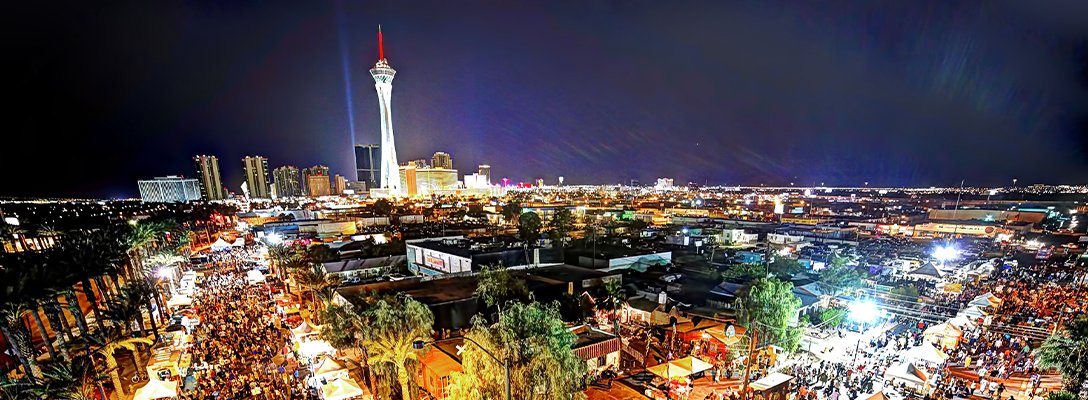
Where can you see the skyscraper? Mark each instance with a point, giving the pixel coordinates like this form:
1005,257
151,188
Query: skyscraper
315,171
286,183
485,170
319,185
339,184
169,189
207,175
441,160
368,160
256,169
383,82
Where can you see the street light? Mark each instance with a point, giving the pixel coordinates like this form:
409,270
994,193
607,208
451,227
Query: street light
418,345
945,253
864,312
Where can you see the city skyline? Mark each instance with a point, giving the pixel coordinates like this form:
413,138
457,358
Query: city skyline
759,97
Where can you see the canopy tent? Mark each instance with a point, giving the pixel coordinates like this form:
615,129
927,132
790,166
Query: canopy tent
220,245
983,302
962,322
328,367
927,271
973,312
990,296
306,328
678,368
179,300
156,389
946,335
771,381
927,352
907,372
343,388
239,242
874,396
254,276
718,332
315,347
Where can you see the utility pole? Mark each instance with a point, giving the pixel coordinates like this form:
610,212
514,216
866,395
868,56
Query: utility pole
748,362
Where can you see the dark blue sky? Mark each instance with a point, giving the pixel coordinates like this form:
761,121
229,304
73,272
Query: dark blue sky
738,92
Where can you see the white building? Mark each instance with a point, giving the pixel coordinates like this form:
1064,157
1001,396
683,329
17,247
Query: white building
169,189
383,82
664,183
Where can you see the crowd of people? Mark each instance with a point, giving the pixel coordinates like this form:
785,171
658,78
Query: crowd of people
236,346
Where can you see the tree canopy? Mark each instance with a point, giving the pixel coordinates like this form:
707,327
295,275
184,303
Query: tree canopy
562,223
744,272
769,305
536,343
837,279
495,285
529,226
784,267
1068,352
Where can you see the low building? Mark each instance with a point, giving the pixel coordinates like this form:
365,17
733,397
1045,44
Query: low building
169,189
599,349
362,268
457,254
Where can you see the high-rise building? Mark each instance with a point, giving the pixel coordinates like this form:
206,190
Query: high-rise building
441,160
207,175
308,172
256,169
408,179
169,189
368,160
420,163
319,185
485,170
383,83
286,183
429,180
475,181
339,184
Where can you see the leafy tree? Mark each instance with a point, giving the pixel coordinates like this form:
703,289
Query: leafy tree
529,227
905,293
511,212
838,279
1068,352
320,284
769,305
784,267
613,297
536,343
495,285
345,329
562,223
391,330
744,272
833,317
575,308
321,253
382,207
1062,395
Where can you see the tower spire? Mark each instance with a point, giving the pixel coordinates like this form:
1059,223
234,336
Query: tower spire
381,47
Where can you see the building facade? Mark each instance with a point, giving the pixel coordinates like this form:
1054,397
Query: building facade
441,160
256,170
430,180
383,83
319,185
169,189
368,158
207,175
286,183
339,184
485,170
408,180
308,172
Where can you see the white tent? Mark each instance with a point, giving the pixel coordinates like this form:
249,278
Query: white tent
973,312
962,322
156,389
927,352
179,300
343,388
254,276
239,242
990,296
907,372
306,328
328,367
220,245
983,302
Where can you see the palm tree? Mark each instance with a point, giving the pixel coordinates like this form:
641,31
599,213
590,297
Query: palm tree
87,257
107,348
77,379
14,231
1068,352
613,300
320,284
280,255
392,329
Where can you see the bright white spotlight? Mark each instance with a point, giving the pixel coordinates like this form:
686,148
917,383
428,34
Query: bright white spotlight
863,311
945,253
163,273
275,238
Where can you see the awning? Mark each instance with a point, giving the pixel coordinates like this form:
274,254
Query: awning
927,352
907,372
944,329
343,388
179,300
678,368
770,381
306,328
328,367
156,389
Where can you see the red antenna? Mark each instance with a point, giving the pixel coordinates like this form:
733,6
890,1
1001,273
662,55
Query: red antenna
381,48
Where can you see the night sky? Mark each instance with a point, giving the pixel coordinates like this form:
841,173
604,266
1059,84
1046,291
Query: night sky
914,93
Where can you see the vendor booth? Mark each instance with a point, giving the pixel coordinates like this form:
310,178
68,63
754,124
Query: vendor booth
775,386
926,352
944,335
907,373
156,389
344,388
677,374
220,245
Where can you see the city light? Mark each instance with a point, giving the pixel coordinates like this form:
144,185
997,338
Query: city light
163,273
863,311
274,238
945,253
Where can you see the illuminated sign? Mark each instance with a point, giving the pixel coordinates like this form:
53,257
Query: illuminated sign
800,221
434,262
